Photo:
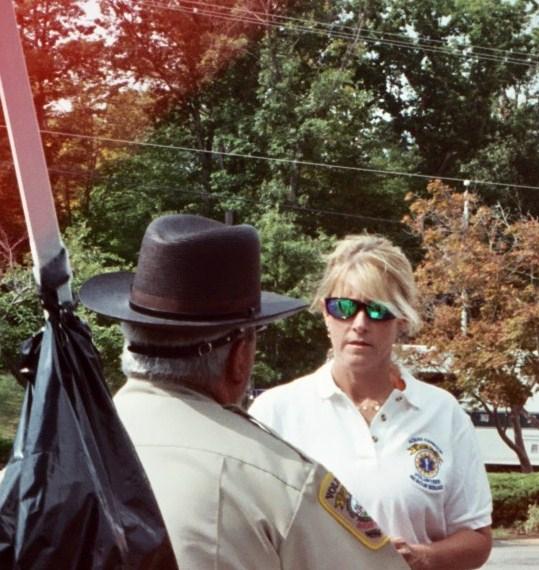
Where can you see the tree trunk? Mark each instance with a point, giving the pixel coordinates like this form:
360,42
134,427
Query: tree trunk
518,444
520,448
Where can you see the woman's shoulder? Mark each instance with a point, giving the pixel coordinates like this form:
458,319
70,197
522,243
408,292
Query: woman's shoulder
298,385
428,394
289,392
439,402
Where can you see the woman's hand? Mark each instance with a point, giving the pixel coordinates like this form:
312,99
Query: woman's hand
416,555
464,550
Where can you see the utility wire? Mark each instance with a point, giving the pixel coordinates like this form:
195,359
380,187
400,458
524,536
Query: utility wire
331,26
286,206
258,201
341,167
333,33
349,37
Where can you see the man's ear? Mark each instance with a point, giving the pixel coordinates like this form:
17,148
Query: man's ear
239,363
233,384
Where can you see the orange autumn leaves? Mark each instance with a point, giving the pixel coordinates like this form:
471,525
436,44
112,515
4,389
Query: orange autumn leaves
479,284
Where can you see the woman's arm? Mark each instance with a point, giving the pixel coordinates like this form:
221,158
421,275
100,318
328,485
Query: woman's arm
463,550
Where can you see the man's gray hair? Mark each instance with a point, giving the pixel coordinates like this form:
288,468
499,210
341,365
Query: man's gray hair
200,370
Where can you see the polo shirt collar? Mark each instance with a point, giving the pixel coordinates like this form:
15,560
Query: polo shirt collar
327,388
413,392
324,381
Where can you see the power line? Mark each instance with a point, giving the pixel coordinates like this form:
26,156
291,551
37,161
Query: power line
286,206
350,37
353,29
342,167
305,27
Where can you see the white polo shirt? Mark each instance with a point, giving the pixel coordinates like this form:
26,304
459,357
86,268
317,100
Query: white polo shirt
416,469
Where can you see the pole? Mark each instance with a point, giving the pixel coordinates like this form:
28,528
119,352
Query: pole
464,316
27,150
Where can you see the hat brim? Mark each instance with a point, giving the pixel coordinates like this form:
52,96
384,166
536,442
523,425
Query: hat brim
108,295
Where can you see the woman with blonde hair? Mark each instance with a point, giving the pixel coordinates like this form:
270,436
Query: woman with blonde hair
405,449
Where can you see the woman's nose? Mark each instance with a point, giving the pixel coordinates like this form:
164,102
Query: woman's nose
360,320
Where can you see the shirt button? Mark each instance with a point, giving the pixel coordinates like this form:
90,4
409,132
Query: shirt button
398,398
375,439
383,417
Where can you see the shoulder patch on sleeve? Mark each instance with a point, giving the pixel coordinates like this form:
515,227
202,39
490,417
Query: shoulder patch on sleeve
340,504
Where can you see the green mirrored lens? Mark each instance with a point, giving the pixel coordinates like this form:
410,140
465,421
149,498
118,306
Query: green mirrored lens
347,307
378,312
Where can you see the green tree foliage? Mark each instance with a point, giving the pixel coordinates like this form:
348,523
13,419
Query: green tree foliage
291,264
289,95
441,69
182,58
366,84
312,108
459,81
21,314
512,153
479,282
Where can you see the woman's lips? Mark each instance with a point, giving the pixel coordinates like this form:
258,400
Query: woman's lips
358,343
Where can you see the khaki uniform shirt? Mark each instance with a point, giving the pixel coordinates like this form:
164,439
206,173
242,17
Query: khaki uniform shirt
236,497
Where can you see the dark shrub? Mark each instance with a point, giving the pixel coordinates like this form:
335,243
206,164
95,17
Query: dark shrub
512,493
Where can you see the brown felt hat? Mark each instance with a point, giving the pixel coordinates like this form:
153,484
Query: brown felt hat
192,272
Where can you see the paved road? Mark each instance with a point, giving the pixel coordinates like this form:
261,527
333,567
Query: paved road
521,554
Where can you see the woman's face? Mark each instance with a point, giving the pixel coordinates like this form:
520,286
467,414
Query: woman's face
359,343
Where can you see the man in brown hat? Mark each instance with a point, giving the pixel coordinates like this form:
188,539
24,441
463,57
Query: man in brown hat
233,495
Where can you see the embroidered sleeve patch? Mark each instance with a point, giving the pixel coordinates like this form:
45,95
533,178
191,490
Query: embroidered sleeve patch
340,504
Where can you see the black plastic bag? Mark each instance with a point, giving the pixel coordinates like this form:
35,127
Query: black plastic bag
74,494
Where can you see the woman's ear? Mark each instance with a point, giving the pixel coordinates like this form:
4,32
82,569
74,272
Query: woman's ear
323,310
402,330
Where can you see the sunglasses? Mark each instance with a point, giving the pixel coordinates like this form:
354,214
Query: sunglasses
343,308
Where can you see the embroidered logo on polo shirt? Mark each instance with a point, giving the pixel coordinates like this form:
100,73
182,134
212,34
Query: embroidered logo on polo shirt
427,461
340,504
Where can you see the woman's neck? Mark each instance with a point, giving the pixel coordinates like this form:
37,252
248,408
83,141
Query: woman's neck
363,385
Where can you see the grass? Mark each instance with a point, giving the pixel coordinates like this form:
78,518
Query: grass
11,395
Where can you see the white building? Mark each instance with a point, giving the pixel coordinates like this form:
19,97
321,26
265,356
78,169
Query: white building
493,449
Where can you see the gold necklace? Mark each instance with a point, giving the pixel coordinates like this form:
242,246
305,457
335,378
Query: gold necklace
366,407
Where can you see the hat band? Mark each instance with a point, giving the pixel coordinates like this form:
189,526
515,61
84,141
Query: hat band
199,349
174,308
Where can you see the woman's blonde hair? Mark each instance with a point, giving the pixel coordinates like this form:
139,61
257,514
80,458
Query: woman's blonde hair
376,268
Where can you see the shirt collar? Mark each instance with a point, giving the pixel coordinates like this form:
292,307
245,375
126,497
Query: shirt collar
413,392
165,388
327,388
324,381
